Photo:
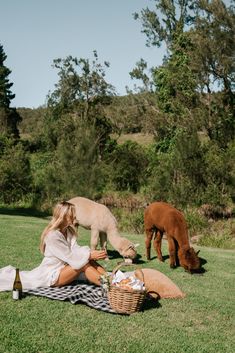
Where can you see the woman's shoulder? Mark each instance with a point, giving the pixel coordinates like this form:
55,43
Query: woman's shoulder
54,234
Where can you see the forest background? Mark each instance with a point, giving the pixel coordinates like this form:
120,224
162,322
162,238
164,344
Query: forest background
169,139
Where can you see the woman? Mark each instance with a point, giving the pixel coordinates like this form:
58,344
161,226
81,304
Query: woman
64,260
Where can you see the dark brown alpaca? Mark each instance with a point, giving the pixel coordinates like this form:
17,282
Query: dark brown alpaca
160,218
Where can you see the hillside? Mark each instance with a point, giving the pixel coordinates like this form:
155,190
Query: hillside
132,113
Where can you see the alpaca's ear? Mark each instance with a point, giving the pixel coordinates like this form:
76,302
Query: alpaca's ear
133,246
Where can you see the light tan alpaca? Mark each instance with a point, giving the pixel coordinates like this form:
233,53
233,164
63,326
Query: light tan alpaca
98,218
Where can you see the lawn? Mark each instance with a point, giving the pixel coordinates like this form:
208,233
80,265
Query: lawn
201,322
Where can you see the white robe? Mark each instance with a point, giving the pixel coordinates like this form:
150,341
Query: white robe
59,252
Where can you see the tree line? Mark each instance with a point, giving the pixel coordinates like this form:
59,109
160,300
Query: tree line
69,147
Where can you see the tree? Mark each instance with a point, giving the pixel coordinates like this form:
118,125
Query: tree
15,173
213,57
175,82
213,36
81,85
139,73
77,129
9,118
129,163
166,26
81,95
199,37
200,41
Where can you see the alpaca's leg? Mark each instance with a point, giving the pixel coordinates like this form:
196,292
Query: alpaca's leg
177,261
172,251
157,242
94,238
148,239
103,241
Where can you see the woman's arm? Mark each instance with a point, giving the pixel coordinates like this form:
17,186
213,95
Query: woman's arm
98,254
76,257
94,254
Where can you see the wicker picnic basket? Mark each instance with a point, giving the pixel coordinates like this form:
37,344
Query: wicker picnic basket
125,301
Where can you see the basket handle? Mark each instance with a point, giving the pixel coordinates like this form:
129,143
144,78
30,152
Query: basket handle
128,264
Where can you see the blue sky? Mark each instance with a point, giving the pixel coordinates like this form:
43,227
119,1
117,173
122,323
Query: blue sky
34,33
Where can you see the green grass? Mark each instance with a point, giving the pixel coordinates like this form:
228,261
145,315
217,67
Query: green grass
141,138
202,322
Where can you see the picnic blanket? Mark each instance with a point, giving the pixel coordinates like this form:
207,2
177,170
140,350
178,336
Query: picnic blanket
89,294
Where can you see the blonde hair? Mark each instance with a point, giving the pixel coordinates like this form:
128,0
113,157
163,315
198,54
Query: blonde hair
61,211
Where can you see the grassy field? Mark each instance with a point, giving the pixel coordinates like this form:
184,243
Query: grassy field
202,322
141,138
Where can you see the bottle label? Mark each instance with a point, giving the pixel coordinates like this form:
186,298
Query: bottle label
16,294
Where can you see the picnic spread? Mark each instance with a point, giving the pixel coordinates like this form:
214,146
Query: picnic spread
119,293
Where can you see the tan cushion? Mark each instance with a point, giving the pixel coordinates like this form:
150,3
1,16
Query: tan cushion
159,285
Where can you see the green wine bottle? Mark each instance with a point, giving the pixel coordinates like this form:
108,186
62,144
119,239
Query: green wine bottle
17,286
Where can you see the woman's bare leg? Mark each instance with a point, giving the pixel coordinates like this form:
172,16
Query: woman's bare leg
68,274
98,267
93,275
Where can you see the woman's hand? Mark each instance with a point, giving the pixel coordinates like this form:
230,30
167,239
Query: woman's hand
98,254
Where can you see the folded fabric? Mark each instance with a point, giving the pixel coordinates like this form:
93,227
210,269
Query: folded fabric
159,285
88,294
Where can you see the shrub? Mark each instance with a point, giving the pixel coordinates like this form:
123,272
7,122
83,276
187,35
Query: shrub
129,161
218,175
130,221
195,221
222,241
15,175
